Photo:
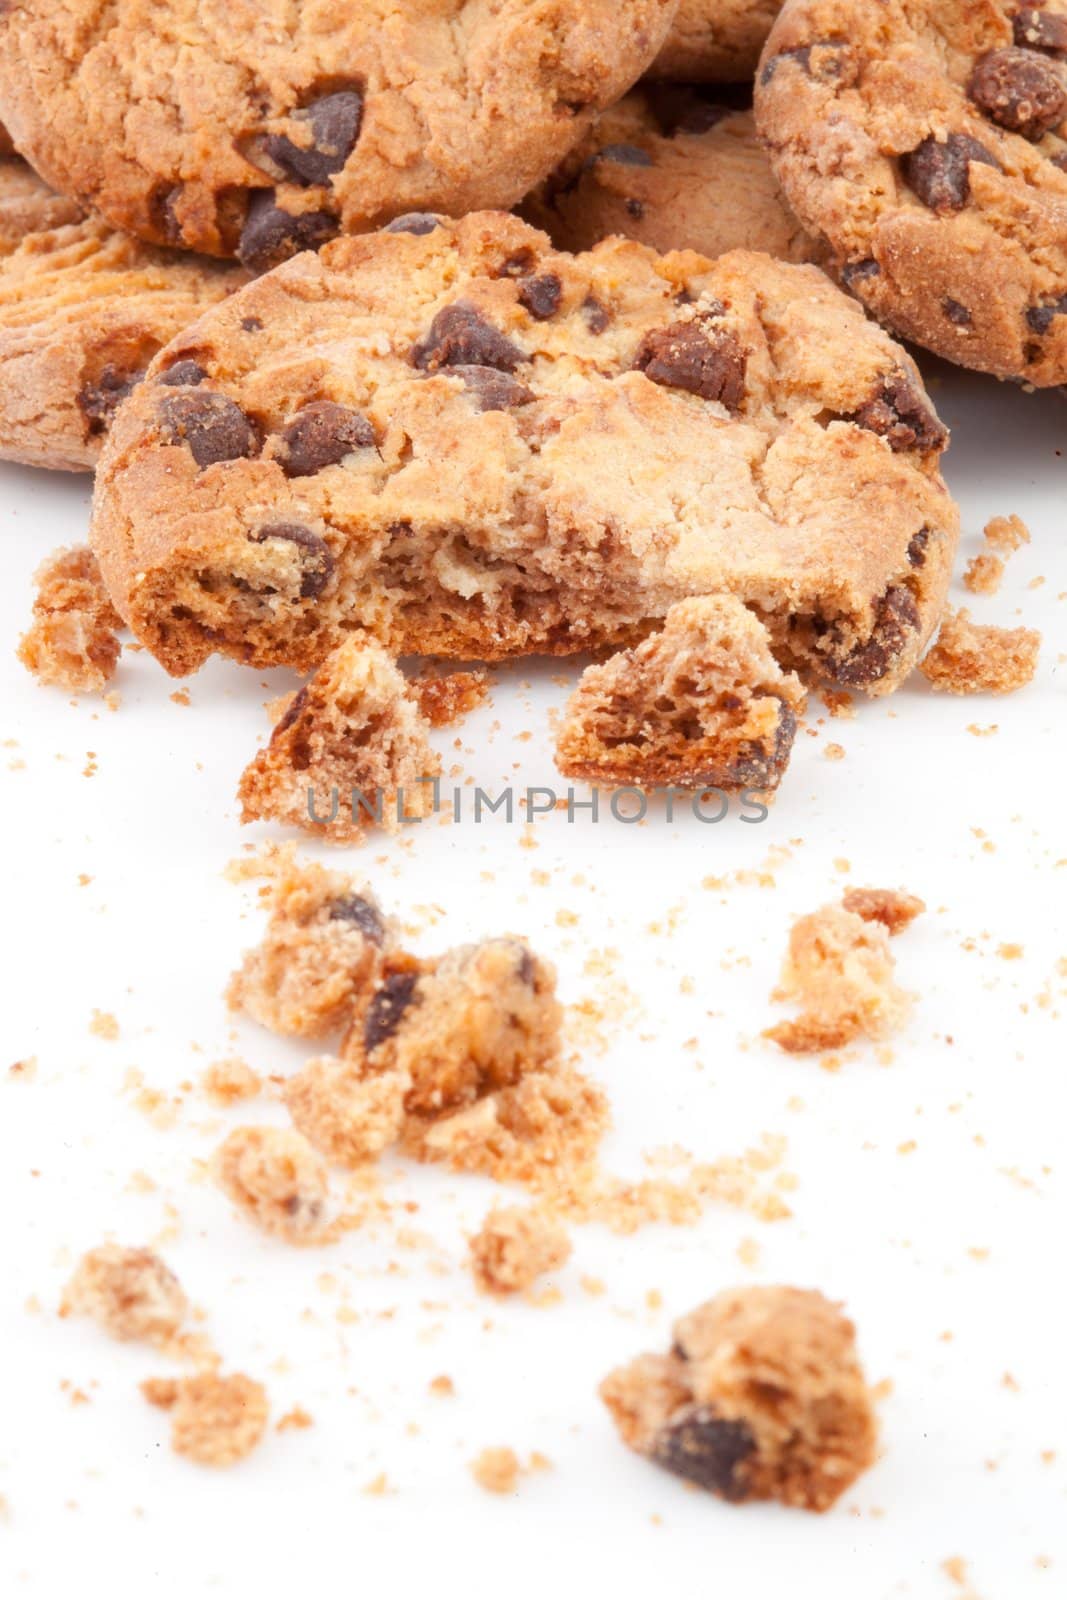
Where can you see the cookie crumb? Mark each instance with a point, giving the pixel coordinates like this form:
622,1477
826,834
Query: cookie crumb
761,1397
442,1386
131,1293
276,1178
104,1025
514,1247
216,1419
1006,534
497,1470
297,1418
228,1081
895,909
983,573
445,700
348,1119
72,640
971,658
839,969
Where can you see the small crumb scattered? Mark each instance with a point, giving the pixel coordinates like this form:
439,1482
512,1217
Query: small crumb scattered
104,1025
514,1247
497,1470
72,640
215,1419
228,1081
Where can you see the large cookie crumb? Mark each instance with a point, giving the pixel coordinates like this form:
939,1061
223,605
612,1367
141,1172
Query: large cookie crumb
131,1293
762,1397
275,1177
496,1470
215,1419
515,1247
72,639
972,658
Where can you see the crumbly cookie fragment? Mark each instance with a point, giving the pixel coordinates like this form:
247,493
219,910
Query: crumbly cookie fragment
216,1418
839,970
674,167
445,699
895,909
715,41
267,132
277,1180
470,1044
131,1293
702,703
83,310
72,641
779,447
323,948
973,658
348,1118
349,752
983,573
497,1470
225,1082
1006,534
761,1398
514,1247
927,144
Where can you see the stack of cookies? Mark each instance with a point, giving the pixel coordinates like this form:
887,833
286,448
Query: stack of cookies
420,322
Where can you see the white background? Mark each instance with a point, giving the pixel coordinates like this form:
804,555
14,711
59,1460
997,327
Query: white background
950,1258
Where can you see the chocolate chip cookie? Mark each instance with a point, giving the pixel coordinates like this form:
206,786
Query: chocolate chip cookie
266,130
470,444
676,167
83,309
716,41
928,144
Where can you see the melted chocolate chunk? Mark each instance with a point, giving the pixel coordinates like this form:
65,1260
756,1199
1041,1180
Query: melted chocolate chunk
212,425
291,713
1020,91
857,271
758,767
316,559
706,1449
492,390
386,1010
917,547
333,124
353,908
597,317
823,59
940,173
99,400
706,362
627,155
183,374
1039,318
1040,30
956,313
459,336
322,435
541,295
896,620
271,235
899,413
416,222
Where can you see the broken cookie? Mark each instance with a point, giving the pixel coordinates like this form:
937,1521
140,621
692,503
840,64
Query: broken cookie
700,704
348,753
514,1247
761,1398
72,639
972,658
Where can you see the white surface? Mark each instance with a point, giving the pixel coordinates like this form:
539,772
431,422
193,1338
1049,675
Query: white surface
98,1504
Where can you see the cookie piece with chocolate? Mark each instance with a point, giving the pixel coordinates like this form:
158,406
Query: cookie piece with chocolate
457,490
927,143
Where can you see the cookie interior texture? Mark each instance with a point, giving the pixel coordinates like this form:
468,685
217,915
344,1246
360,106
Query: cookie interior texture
266,132
83,309
928,145
468,444
715,41
700,703
675,167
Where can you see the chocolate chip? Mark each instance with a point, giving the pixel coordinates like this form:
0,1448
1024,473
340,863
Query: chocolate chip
1040,30
271,235
627,155
708,363
387,1008
1020,91
857,271
183,373
1039,318
333,123
899,413
459,336
99,400
939,173
292,711
416,222
956,313
316,562
362,914
823,60
800,54
525,967
635,208
896,619
320,436
541,295
492,390
1059,160
597,317
707,1450
917,547
212,425
759,766
251,325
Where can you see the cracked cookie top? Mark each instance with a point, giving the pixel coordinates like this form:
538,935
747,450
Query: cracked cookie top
260,129
928,145
467,443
